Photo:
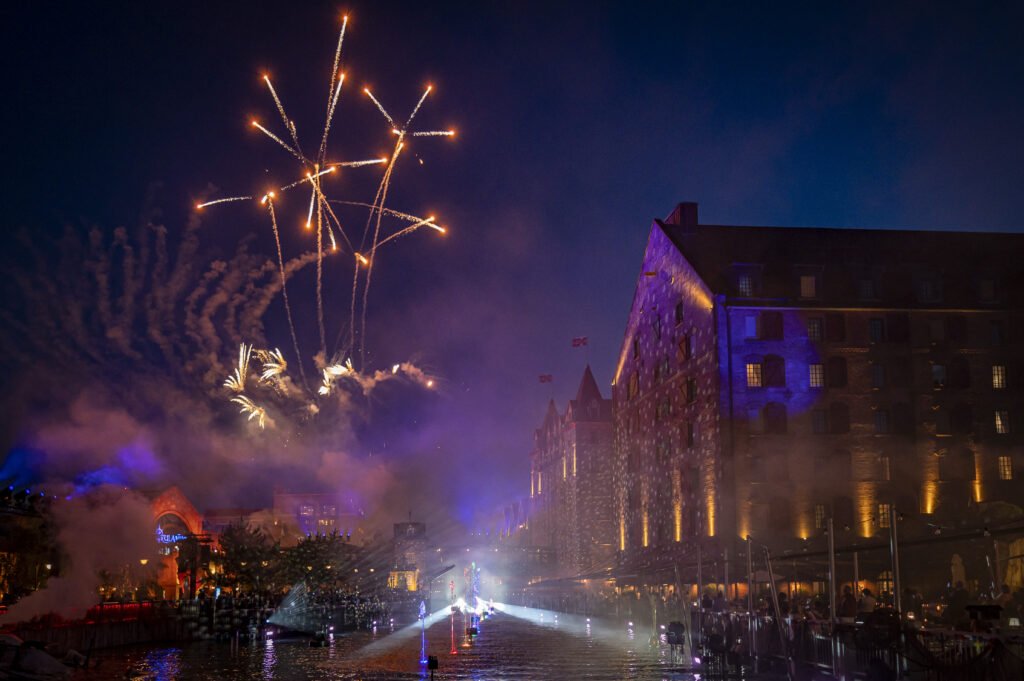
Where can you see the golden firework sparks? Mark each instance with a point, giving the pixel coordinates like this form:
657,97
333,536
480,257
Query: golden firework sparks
236,381
252,409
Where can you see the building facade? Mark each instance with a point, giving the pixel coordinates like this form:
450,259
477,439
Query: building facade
771,378
570,482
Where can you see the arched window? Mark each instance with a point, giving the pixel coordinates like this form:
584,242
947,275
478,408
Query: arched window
775,418
839,418
774,371
836,372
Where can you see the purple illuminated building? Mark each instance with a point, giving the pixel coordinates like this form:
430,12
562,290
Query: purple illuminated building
770,378
571,505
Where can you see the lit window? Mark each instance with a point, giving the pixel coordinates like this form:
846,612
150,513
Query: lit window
877,376
817,375
819,516
328,510
745,285
815,329
306,509
1005,468
565,468
808,286
998,376
754,375
885,464
1002,422
883,515
876,330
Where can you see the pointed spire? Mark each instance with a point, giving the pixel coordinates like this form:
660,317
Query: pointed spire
588,388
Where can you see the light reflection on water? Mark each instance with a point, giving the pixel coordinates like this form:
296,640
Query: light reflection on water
508,648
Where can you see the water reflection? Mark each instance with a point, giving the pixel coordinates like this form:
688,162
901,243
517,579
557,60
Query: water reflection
507,648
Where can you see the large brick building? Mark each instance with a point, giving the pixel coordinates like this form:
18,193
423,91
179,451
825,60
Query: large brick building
770,378
570,482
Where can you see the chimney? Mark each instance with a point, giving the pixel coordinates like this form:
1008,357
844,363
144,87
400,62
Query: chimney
684,216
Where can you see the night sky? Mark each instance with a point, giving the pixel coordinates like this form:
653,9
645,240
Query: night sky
577,124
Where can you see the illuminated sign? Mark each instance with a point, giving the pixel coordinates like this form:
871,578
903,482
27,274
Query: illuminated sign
168,538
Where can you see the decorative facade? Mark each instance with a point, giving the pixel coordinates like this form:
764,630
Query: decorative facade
770,378
570,482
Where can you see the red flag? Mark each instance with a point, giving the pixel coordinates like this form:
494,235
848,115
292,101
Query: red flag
545,378
579,342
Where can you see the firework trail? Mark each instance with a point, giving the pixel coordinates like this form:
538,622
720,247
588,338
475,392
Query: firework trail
252,409
377,208
269,199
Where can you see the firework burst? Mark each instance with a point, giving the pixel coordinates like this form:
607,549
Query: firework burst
314,170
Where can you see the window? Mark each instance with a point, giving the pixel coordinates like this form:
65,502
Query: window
679,312
691,390
837,372
995,330
657,326
775,418
754,423
691,434
881,422
1002,422
745,284
326,524
634,386
808,286
815,329
819,516
661,450
936,330
753,374
876,330
877,376
816,375
756,468
662,370
938,376
835,327
961,419
691,345
750,326
883,515
885,468
866,289
998,376
959,373
683,349
819,421
839,418
663,409
306,510
328,510
774,372
1005,468
636,348
771,326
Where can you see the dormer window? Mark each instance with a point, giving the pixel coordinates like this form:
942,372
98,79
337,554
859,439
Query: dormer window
745,284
